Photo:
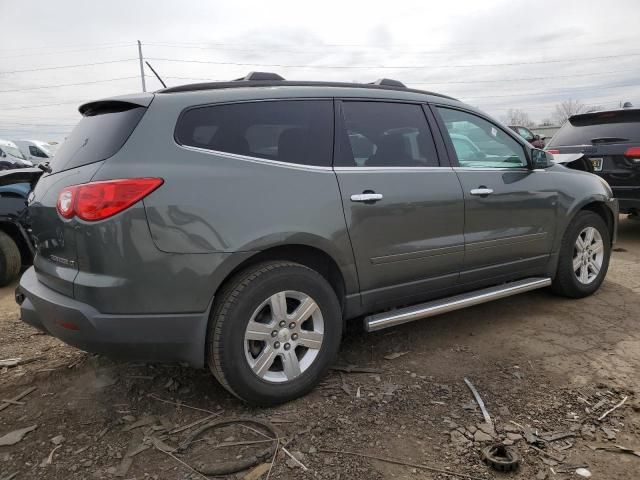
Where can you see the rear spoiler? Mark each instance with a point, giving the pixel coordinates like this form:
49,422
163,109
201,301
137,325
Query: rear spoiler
120,103
20,175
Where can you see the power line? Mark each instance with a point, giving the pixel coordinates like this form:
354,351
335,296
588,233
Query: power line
61,46
68,66
42,105
522,79
392,67
444,50
39,54
577,89
67,84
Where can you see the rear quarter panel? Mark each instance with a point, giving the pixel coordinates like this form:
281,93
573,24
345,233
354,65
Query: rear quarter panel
219,203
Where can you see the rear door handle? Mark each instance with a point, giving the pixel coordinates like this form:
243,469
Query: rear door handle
481,191
366,197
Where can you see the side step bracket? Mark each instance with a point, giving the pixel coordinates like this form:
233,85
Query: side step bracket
456,302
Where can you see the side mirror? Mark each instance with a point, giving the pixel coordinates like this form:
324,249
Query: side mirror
540,159
536,137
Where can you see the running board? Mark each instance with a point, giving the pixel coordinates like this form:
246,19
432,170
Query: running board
456,302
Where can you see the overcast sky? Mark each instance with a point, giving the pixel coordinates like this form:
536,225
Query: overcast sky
493,54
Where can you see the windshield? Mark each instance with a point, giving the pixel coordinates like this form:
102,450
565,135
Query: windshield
12,151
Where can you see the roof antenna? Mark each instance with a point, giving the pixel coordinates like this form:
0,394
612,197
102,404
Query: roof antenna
156,74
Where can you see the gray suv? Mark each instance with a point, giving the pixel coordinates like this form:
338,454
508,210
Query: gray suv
240,224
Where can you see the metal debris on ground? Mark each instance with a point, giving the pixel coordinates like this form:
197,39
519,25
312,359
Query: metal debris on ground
257,472
295,461
476,395
501,458
355,369
401,462
394,355
12,401
615,407
583,472
226,468
615,448
14,437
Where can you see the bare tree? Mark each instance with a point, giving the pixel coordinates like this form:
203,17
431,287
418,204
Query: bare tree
570,107
516,116
547,122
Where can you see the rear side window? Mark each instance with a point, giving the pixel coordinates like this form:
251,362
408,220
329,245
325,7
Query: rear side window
293,131
599,127
380,134
98,136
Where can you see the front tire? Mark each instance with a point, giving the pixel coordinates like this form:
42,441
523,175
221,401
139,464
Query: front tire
584,256
274,332
10,260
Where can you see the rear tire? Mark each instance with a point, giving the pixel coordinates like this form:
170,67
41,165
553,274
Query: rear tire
10,260
584,256
262,355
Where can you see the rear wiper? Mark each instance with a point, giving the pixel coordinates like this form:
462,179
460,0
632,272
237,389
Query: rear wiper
45,167
609,140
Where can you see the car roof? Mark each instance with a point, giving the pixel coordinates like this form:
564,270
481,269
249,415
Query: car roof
193,87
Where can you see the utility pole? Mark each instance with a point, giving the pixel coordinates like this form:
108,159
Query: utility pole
144,85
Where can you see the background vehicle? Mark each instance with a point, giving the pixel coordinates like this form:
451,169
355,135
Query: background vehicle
36,151
16,247
534,139
239,224
611,140
11,156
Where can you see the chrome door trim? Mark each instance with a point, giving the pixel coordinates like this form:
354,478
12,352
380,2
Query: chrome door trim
264,161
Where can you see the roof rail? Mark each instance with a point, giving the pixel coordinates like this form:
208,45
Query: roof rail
389,82
252,76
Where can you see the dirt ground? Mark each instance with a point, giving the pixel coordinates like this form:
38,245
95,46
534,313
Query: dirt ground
544,366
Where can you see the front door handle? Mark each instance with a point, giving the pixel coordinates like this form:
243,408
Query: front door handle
482,191
366,197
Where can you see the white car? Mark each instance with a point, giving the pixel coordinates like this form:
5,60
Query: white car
36,151
11,156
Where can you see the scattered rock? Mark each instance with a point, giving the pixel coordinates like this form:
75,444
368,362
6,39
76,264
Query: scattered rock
583,472
394,355
104,380
510,427
504,411
488,429
313,449
481,436
458,439
541,475
58,439
609,432
588,432
14,437
514,437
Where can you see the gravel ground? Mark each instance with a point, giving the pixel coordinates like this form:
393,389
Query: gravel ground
545,366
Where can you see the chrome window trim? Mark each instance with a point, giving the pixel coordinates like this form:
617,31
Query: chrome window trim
392,169
264,161
490,169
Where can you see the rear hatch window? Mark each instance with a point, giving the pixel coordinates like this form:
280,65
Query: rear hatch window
103,130
621,126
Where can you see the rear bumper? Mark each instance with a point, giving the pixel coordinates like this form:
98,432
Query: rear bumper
155,337
628,198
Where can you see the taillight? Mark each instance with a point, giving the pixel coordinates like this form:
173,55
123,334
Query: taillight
632,152
99,200
553,151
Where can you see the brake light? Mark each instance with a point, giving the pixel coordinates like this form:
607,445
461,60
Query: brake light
99,200
632,152
553,151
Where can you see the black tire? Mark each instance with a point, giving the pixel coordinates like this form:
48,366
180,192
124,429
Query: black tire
10,260
233,308
566,282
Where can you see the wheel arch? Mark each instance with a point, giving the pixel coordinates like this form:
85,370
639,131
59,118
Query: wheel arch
18,236
601,209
